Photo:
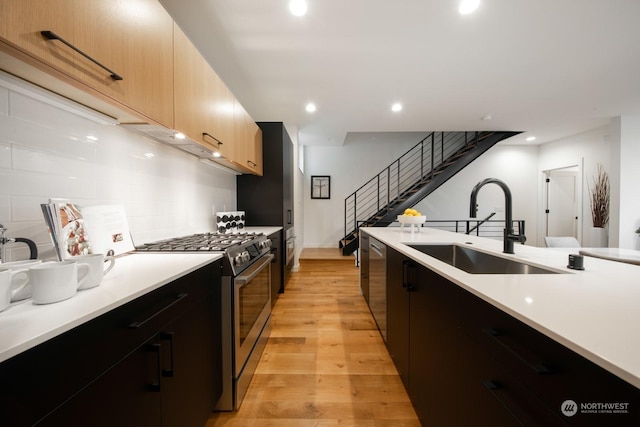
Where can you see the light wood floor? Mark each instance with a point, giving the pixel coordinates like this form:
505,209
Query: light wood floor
325,363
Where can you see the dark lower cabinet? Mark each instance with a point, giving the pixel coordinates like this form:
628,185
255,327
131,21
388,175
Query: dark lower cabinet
126,395
465,362
277,282
398,313
364,265
155,361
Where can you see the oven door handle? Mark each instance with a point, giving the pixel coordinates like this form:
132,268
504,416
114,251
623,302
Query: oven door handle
254,271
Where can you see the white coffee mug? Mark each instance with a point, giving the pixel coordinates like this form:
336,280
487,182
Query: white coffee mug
19,292
10,280
56,281
97,268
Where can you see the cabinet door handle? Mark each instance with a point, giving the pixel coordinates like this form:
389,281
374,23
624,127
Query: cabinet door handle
155,386
503,340
288,216
168,336
406,281
250,163
50,35
521,414
208,135
138,324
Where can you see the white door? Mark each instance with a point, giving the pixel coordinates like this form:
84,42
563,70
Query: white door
562,203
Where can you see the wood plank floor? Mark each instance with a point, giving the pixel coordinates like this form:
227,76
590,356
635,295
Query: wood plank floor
325,363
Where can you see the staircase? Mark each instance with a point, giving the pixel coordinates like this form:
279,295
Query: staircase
411,178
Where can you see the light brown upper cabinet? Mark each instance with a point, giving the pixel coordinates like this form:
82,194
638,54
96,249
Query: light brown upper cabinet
203,104
249,141
115,50
208,113
129,60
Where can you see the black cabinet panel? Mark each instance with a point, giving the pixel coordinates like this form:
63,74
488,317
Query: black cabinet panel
267,200
398,313
465,362
276,266
113,360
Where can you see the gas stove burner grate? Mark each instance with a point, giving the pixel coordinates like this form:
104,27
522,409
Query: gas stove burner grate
204,242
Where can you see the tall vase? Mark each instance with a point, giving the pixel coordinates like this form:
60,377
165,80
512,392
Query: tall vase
599,237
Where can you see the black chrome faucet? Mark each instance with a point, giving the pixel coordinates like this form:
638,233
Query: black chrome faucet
509,234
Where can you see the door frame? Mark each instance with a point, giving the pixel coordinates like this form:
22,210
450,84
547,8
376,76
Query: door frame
578,169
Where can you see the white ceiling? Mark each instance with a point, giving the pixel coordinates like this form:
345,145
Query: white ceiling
550,68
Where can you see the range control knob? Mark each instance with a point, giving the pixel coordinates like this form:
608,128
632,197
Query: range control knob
241,258
265,244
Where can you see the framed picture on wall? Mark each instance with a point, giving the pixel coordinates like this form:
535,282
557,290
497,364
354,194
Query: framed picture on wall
320,187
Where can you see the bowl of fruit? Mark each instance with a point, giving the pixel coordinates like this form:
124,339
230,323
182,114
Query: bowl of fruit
411,216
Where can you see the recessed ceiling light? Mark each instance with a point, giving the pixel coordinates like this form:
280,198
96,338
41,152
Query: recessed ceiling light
531,138
298,7
468,6
311,107
396,107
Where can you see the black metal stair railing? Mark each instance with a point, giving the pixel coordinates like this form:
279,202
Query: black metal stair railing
412,170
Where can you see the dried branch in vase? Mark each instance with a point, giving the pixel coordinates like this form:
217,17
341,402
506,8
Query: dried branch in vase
600,199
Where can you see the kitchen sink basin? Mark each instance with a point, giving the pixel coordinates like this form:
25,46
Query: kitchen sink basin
476,262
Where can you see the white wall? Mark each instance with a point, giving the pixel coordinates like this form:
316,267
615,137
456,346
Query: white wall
44,153
584,150
515,165
625,182
349,166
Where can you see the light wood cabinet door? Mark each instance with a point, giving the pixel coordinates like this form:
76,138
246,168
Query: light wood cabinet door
248,139
203,104
131,39
21,22
220,114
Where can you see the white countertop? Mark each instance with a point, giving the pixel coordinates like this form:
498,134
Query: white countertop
24,325
262,229
614,254
595,312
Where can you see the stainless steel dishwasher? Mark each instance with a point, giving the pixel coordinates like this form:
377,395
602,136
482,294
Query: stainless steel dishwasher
378,284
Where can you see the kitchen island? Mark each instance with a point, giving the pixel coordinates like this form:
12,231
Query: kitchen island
528,341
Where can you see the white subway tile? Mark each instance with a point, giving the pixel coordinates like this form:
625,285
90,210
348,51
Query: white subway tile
5,208
5,155
4,101
42,148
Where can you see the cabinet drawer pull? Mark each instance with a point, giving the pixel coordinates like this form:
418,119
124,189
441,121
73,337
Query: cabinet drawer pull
168,336
500,394
251,163
503,340
50,35
138,324
208,135
155,386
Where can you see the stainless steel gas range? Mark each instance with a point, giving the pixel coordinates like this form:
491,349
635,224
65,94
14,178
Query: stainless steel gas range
246,302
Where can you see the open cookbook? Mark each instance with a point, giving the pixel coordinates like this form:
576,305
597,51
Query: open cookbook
76,230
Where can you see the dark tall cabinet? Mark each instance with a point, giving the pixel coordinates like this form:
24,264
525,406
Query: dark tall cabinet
267,200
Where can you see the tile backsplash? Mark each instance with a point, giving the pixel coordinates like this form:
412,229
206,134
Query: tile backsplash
48,152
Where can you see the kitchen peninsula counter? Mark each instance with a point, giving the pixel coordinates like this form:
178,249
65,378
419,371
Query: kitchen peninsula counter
24,325
592,312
